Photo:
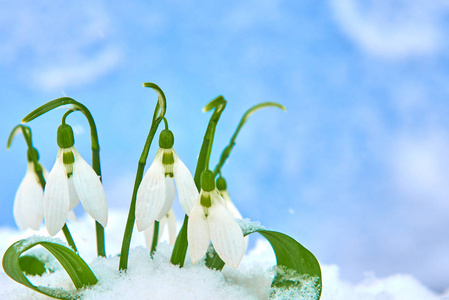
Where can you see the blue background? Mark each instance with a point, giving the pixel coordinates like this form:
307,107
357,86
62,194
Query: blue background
357,169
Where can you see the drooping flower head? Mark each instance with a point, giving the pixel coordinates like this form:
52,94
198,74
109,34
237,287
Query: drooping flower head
70,181
222,188
157,190
169,222
28,203
210,221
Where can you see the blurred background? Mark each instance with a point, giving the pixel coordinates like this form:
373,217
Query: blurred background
357,169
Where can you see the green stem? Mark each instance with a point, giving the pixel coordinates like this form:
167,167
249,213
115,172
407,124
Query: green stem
155,237
132,208
227,150
181,244
160,106
101,251
69,238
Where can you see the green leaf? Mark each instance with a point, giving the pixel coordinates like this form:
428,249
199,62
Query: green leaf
178,255
75,266
294,257
297,266
31,265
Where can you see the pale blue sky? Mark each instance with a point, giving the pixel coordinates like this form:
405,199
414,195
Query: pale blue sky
357,168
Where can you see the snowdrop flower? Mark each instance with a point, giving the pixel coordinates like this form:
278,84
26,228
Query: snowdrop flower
70,181
209,220
222,188
28,202
170,220
157,191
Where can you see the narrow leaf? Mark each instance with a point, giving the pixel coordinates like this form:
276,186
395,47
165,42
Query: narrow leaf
75,266
160,96
295,263
31,265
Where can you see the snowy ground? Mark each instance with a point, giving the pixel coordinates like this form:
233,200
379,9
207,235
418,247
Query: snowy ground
158,279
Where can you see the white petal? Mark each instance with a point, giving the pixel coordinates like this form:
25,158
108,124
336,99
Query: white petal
171,223
225,234
169,196
187,191
229,205
89,189
197,233
56,197
28,202
73,195
45,173
151,194
72,216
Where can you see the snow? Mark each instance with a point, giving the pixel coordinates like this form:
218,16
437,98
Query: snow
156,278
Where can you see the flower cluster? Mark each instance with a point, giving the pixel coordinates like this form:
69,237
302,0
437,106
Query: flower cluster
211,221
210,229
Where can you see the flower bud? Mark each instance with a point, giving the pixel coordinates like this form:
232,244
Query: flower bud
65,137
207,181
166,139
32,154
221,184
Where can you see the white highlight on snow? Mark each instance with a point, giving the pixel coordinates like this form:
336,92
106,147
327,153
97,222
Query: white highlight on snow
393,29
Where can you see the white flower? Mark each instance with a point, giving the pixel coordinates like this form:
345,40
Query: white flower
28,202
70,181
157,191
229,205
209,220
170,220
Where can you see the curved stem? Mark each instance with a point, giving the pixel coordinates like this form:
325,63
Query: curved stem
67,113
165,122
160,108
101,251
180,247
227,150
26,131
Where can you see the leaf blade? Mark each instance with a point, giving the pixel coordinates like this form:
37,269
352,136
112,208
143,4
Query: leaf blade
75,266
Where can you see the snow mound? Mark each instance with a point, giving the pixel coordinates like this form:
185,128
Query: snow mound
156,278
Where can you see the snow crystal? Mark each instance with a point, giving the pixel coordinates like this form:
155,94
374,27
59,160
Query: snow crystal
37,238
249,226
